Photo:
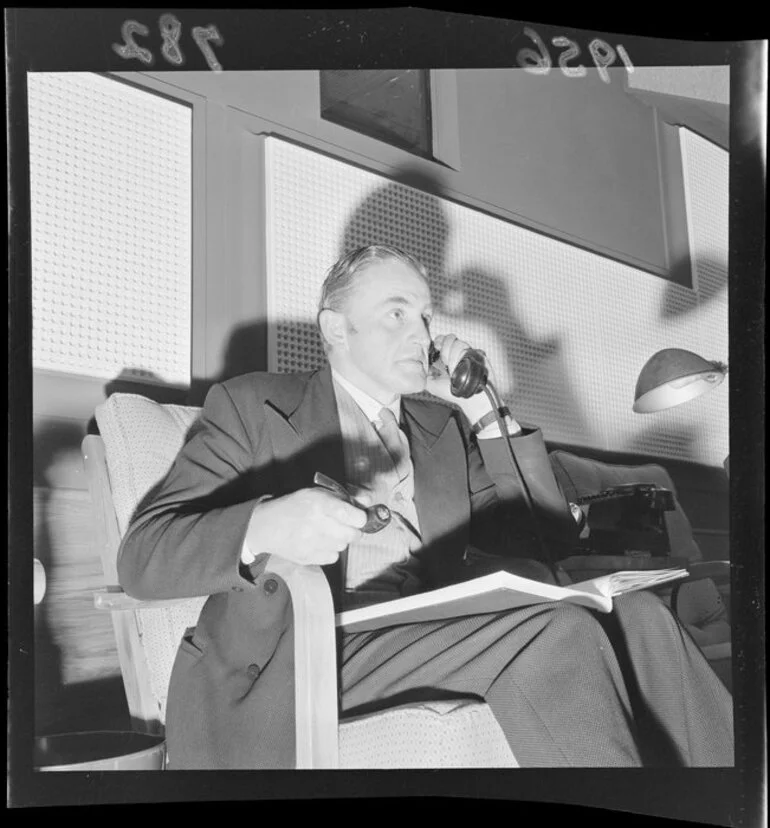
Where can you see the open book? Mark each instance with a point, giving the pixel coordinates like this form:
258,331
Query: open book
499,592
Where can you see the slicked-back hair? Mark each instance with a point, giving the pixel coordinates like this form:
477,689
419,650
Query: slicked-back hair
340,280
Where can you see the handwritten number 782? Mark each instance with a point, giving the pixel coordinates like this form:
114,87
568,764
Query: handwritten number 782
170,32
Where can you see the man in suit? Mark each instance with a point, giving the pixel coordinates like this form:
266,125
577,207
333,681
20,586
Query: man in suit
568,688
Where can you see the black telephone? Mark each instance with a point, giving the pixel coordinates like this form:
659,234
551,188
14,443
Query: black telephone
628,517
469,376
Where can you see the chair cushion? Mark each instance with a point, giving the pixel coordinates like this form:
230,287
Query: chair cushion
440,734
580,476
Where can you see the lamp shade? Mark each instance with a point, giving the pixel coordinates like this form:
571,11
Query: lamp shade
673,376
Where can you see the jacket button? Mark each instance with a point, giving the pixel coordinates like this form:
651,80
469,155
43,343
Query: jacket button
253,670
271,586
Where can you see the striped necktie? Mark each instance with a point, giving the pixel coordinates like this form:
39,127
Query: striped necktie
395,441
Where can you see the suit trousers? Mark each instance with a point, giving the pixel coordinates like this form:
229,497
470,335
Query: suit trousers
570,687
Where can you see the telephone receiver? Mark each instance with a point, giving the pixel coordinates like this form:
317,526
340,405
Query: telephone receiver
469,377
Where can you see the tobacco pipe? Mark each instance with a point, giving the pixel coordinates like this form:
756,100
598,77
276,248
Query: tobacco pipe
377,516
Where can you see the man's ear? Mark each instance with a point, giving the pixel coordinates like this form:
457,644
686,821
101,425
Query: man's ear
333,327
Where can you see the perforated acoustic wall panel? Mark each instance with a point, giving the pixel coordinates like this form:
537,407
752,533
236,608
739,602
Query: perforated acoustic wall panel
110,175
566,330
706,177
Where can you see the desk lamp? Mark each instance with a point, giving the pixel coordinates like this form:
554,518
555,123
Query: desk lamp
673,376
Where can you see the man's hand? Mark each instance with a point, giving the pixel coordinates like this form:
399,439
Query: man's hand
452,349
310,526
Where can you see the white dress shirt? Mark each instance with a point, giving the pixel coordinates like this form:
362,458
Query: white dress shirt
367,404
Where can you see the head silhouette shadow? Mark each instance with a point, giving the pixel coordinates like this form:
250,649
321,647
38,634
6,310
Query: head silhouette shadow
538,380
406,213
410,213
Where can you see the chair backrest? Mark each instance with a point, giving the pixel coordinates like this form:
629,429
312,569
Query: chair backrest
138,443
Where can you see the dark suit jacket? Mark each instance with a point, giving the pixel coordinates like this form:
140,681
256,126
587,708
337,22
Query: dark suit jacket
231,695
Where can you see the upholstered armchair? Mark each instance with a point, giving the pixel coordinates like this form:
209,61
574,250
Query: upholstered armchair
137,444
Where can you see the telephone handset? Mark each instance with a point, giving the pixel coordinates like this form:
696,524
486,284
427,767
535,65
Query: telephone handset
469,376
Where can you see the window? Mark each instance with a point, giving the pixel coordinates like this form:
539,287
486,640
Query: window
111,209
392,106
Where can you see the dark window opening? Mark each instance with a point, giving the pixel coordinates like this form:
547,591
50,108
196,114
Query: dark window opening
391,106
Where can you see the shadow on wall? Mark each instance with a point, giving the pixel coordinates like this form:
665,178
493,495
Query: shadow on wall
415,220
709,284
540,382
678,302
414,217
246,351
145,384
679,441
386,216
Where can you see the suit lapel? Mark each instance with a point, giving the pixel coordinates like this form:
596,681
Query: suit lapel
426,421
306,439
433,461
306,433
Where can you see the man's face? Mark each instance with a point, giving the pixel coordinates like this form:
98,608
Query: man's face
384,349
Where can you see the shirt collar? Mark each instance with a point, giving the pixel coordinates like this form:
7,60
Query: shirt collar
367,404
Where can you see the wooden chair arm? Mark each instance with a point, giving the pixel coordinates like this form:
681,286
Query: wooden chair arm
714,652
718,571
315,655
315,663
